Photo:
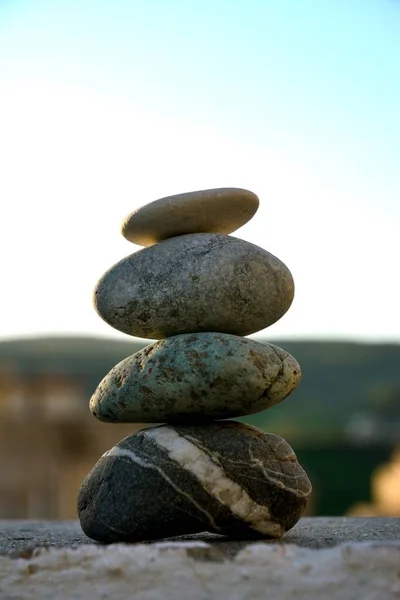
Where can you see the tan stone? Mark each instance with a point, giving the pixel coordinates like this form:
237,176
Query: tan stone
221,210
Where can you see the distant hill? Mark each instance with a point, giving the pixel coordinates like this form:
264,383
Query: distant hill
340,379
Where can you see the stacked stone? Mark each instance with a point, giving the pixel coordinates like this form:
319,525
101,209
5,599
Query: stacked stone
197,290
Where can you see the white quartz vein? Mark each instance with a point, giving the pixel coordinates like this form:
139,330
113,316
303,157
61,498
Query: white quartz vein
213,479
280,481
116,451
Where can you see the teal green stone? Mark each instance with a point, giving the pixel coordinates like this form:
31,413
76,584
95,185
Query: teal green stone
199,376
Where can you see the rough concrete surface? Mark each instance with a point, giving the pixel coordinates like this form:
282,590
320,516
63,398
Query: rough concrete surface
337,558
310,532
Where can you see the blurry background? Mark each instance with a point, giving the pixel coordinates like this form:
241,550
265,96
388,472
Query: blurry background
105,106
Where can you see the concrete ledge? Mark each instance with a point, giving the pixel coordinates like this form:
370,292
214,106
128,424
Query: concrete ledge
337,558
310,532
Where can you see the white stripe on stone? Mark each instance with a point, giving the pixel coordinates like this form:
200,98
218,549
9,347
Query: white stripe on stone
254,462
277,481
117,451
213,479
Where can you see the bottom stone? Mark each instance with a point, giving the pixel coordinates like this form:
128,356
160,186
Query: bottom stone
225,477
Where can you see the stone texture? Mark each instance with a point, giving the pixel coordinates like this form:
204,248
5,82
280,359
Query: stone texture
199,571
225,477
196,376
194,283
221,210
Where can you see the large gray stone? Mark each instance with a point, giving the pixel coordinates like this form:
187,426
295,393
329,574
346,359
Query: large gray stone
222,210
196,376
193,283
224,477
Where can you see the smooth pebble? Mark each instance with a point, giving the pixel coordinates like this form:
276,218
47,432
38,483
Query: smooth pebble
221,210
226,478
196,376
193,283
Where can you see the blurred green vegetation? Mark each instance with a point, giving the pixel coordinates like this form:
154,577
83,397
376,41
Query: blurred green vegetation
342,382
341,474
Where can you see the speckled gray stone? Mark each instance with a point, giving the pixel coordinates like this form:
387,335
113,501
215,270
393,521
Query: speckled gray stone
221,210
192,283
196,376
224,477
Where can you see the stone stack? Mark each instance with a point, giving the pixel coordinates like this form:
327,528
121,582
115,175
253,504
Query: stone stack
197,290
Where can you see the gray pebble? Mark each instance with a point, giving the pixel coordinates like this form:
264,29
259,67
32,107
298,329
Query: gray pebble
221,210
225,477
196,376
192,283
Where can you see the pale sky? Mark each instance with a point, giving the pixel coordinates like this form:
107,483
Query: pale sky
105,106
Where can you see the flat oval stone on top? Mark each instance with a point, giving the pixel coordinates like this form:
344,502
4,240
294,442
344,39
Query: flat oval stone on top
221,210
196,282
196,377
226,477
